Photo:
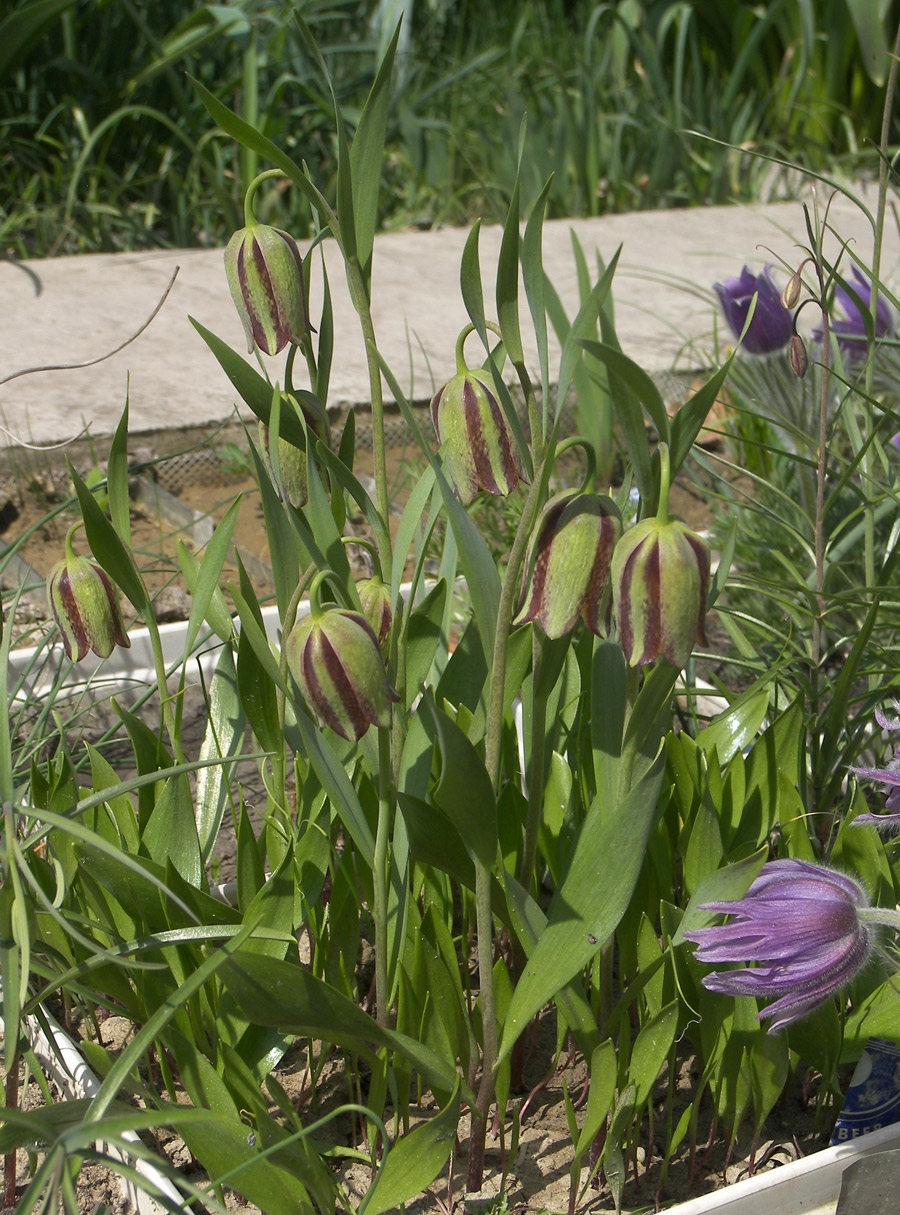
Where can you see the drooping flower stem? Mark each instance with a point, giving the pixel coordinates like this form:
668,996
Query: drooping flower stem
249,216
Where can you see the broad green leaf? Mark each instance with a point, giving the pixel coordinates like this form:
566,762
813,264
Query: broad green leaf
156,1023
171,832
253,389
508,282
307,739
464,791
601,1091
594,894
423,635
222,739
733,729
285,996
470,282
688,421
582,328
637,379
650,1051
415,1160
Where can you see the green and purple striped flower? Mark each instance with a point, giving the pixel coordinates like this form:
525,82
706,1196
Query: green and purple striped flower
265,275
85,605
477,445
568,562
660,576
335,658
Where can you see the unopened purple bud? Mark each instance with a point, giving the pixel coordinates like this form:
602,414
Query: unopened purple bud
85,605
567,565
335,658
478,447
660,577
265,274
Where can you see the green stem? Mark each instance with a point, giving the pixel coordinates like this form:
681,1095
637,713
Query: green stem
380,875
485,930
536,774
249,217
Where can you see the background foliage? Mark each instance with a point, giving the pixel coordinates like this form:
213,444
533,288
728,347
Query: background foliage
104,146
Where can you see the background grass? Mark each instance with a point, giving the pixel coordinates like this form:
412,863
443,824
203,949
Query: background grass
104,145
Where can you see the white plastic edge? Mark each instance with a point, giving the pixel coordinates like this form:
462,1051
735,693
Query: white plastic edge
811,1186
62,1061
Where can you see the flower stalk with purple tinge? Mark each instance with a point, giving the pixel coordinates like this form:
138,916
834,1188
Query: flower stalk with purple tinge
889,776
807,928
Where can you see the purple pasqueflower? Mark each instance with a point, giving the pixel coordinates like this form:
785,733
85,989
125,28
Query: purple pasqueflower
850,330
802,925
772,324
889,776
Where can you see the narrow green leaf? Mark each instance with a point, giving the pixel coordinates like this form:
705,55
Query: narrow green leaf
508,282
533,278
206,583
109,551
249,137
117,480
367,156
470,283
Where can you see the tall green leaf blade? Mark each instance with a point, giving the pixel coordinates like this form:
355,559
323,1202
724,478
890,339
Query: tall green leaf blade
508,282
117,480
367,156
533,278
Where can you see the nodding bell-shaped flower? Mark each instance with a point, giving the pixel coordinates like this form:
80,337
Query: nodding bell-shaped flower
568,563
375,599
265,275
291,460
478,448
85,605
335,658
660,577
772,324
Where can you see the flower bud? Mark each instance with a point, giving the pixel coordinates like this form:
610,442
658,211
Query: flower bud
478,447
790,296
375,599
567,565
798,357
85,605
291,460
336,660
265,275
660,577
